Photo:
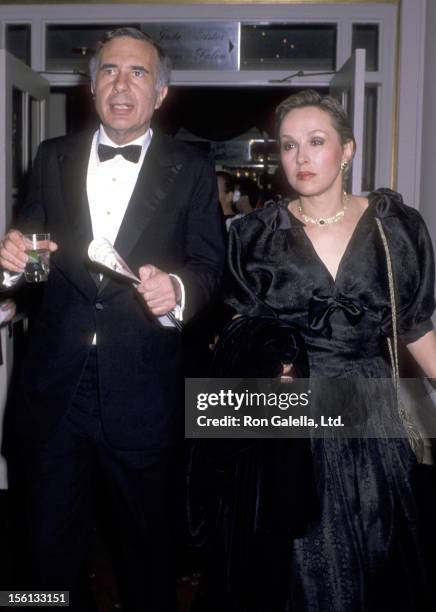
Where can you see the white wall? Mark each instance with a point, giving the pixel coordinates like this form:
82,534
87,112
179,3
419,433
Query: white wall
428,157
57,115
411,78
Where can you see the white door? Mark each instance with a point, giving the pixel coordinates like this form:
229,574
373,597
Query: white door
23,111
348,86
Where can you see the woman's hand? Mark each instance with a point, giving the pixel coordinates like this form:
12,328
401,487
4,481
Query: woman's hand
288,373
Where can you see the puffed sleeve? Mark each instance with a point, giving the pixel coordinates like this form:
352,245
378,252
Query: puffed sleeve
415,281
244,280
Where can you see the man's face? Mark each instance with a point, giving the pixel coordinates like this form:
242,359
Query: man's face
125,88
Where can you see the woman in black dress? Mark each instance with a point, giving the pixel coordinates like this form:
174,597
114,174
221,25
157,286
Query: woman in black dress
319,264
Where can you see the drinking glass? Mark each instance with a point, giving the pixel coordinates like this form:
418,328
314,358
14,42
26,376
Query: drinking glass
38,253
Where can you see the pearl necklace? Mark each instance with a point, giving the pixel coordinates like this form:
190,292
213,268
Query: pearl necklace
325,220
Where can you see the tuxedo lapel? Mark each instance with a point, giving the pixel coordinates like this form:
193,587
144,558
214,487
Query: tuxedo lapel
158,172
73,164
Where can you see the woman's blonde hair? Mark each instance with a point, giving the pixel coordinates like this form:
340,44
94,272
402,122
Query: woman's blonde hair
328,104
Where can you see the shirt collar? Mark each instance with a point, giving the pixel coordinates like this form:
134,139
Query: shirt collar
143,141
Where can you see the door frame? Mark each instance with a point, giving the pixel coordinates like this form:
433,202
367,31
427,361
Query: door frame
15,74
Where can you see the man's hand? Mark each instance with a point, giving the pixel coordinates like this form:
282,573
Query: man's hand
13,251
158,290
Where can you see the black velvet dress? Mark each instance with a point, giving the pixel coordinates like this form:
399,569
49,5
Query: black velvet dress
363,554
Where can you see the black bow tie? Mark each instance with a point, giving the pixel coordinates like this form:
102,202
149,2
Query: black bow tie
131,152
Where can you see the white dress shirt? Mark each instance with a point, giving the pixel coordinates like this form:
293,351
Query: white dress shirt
110,184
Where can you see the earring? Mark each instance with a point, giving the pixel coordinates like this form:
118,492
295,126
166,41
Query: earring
344,165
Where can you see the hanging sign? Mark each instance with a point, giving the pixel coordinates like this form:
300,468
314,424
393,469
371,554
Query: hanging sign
199,46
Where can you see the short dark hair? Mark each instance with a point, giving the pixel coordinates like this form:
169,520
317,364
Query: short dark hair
249,188
164,63
328,104
229,180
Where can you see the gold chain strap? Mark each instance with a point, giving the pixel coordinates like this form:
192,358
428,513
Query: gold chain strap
393,346
414,436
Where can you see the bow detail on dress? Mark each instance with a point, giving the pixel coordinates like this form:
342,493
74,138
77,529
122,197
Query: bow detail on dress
322,307
386,203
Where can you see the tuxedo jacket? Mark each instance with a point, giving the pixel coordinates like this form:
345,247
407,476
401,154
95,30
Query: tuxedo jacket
173,221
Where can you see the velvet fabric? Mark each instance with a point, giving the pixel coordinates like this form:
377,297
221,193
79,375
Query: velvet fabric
257,347
250,498
363,553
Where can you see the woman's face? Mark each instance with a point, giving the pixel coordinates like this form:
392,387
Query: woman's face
311,151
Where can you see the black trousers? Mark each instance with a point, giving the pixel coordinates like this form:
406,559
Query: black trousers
60,481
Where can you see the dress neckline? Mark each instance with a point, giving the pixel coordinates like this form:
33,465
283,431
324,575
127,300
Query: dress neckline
334,279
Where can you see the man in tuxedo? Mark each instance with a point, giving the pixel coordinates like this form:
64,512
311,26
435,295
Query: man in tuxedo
101,386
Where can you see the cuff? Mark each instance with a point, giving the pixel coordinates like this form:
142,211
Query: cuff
180,306
417,332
